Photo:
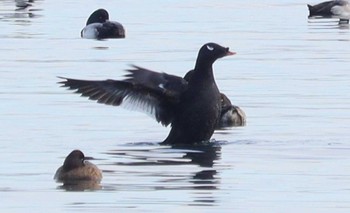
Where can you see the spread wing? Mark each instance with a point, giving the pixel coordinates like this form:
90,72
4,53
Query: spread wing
170,85
154,93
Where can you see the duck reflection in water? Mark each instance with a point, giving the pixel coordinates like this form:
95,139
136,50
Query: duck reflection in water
175,159
78,174
205,156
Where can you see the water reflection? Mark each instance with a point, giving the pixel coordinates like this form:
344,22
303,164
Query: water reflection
175,168
19,12
329,23
201,155
80,186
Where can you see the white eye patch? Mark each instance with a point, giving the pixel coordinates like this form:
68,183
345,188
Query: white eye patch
210,48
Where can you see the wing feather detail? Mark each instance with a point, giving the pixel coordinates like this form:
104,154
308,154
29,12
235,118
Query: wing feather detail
143,90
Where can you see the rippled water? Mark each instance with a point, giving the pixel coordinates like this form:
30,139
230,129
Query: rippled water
290,76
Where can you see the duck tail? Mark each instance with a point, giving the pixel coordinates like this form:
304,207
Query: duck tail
311,10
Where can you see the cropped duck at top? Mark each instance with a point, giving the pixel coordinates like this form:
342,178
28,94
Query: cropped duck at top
76,168
98,26
192,107
331,9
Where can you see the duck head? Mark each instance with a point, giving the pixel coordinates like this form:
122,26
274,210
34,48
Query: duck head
98,16
210,52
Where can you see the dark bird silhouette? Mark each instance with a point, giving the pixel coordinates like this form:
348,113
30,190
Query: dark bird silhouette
98,26
22,4
230,115
191,107
331,9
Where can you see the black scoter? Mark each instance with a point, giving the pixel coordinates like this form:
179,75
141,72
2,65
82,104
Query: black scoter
191,107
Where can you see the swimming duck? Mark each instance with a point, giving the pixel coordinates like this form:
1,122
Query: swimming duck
22,4
98,26
231,115
331,9
191,107
76,168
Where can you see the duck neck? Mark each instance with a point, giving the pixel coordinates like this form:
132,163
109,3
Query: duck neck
205,69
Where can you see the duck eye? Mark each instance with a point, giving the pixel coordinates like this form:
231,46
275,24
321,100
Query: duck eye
210,48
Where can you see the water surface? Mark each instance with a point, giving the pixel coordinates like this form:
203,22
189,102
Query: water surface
290,76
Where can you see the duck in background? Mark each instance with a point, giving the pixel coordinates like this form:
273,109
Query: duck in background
22,4
99,27
231,115
78,173
331,9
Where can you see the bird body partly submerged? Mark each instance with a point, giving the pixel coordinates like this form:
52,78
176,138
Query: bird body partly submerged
231,115
76,168
331,9
98,26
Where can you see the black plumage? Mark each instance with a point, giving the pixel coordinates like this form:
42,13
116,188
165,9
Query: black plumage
331,9
191,107
321,9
